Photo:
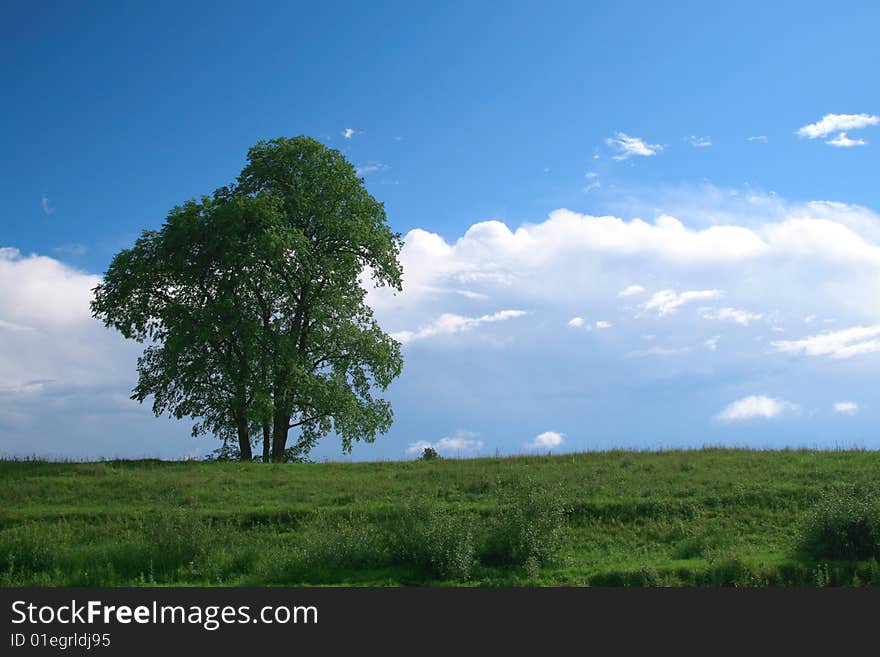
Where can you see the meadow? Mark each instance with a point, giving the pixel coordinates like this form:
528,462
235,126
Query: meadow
712,517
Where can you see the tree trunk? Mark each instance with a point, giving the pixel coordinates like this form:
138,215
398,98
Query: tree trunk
244,439
280,428
267,442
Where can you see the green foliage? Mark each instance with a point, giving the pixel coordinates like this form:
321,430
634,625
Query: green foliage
252,303
844,525
434,541
528,527
429,454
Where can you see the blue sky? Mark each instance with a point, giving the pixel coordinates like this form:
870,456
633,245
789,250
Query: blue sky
756,253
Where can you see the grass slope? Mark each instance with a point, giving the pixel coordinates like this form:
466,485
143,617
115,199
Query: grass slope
708,517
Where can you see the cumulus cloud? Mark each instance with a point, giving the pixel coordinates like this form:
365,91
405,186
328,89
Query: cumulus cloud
766,257
742,317
843,141
666,302
348,133
756,407
46,329
845,343
43,291
627,146
846,407
450,323
576,322
837,123
547,440
458,443
783,261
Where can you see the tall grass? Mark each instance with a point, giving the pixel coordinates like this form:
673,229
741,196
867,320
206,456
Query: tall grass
698,518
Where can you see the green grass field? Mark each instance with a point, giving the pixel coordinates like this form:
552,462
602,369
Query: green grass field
706,518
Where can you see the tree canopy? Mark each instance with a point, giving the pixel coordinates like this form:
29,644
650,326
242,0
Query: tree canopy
252,306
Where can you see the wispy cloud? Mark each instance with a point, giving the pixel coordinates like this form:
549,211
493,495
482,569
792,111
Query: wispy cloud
348,133
74,249
761,139
460,441
846,408
12,326
699,142
845,343
756,407
46,205
450,323
742,317
370,167
666,302
592,181
627,146
631,290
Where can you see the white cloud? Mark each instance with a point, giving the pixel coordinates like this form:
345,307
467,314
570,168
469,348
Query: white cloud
843,141
712,343
756,406
46,205
666,302
777,260
46,329
12,326
450,323
837,123
41,290
761,139
348,133
845,343
581,323
547,440
742,317
783,261
699,142
457,443
631,290
846,408
627,146
370,167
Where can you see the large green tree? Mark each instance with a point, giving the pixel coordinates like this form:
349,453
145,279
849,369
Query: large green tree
252,304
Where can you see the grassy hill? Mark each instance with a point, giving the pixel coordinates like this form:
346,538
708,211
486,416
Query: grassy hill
707,517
